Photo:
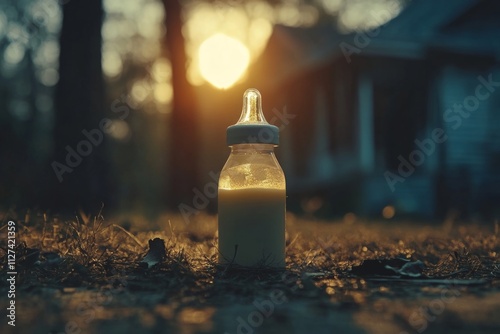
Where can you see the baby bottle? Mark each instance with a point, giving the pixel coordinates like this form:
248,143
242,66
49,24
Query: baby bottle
252,192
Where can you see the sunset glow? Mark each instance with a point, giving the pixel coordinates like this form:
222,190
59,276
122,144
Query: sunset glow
222,60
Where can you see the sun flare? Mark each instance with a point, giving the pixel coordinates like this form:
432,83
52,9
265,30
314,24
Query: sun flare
222,60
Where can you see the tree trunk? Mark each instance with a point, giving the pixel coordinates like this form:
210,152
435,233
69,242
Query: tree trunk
184,130
79,106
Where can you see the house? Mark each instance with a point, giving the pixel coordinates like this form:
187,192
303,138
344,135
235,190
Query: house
406,115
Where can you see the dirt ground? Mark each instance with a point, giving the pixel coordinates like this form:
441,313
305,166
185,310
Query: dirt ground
90,275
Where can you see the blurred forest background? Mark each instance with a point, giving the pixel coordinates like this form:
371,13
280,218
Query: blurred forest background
132,87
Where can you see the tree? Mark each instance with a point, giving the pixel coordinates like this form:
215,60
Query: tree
184,128
79,104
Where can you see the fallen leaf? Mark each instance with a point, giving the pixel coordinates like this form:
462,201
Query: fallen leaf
156,253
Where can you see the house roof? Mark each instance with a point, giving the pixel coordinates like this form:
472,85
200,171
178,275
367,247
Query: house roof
422,18
460,26
455,26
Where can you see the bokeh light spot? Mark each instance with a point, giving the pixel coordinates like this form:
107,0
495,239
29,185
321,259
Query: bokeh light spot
111,63
388,212
223,60
48,77
163,93
161,70
140,90
14,53
119,130
358,15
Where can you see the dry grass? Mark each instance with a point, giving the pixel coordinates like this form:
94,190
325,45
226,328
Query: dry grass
99,255
91,249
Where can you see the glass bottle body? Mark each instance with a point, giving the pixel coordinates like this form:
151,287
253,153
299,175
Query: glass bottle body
252,206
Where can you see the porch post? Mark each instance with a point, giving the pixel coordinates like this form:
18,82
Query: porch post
366,133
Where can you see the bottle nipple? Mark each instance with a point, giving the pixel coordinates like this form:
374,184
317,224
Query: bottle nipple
252,126
252,108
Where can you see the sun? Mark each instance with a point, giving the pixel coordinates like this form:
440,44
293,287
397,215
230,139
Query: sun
222,60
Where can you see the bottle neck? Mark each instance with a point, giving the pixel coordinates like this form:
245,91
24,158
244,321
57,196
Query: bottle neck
252,148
